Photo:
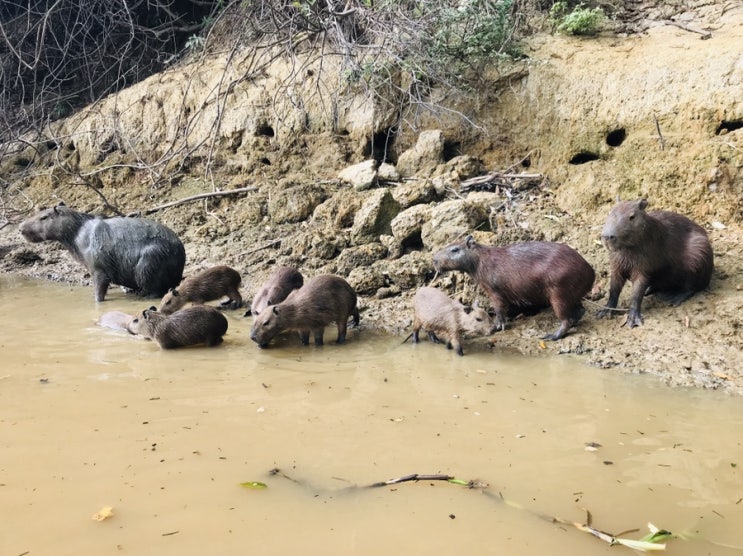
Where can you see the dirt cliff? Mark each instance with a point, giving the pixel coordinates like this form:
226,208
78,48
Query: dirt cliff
559,135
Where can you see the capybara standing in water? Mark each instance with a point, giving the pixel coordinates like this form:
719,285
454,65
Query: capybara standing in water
191,326
660,252
207,285
524,278
279,285
322,300
136,253
443,317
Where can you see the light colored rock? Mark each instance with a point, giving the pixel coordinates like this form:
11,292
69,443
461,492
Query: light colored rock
360,176
425,156
374,217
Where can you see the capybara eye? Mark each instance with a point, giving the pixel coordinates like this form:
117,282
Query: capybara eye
135,321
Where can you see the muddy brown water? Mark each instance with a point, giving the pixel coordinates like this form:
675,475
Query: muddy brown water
92,417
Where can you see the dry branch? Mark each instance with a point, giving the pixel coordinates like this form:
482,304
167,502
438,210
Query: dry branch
193,198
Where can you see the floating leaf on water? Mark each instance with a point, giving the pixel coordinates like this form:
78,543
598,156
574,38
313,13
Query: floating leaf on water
255,485
104,513
459,482
592,446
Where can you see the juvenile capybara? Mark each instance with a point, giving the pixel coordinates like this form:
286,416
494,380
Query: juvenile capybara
207,285
322,300
191,326
524,278
447,319
279,285
660,252
136,253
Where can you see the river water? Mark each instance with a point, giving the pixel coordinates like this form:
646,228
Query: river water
92,417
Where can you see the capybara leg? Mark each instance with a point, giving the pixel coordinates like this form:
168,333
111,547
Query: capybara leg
674,299
560,332
615,288
457,345
356,317
214,341
416,330
342,328
101,287
434,338
305,336
634,316
318,336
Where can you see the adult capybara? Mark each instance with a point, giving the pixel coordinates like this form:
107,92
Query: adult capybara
136,253
322,300
445,318
524,278
660,252
207,285
191,326
279,285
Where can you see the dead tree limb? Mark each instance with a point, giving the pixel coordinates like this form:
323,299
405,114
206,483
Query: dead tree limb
194,198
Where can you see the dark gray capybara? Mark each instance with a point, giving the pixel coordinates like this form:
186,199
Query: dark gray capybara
447,319
524,278
279,285
207,285
139,254
191,326
660,252
322,300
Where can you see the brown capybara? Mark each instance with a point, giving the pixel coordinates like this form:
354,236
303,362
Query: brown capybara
322,300
207,285
139,254
660,252
447,319
524,278
279,285
191,326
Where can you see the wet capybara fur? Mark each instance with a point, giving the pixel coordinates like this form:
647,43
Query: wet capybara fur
660,252
309,309
279,285
139,254
448,320
524,278
191,326
210,284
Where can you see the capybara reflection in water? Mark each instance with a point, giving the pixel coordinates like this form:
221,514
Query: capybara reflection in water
660,252
524,278
136,253
322,300
191,326
208,285
279,285
446,319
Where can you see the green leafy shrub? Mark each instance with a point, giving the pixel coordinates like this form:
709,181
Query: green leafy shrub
580,21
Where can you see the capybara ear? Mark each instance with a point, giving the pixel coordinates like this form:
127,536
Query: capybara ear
642,204
152,308
275,311
61,204
467,309
469,240
174,292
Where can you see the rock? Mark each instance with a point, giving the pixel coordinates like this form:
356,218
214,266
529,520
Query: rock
294,204
387,172
407,226
356,257
415,192
374,217
450,220
361,176
427,153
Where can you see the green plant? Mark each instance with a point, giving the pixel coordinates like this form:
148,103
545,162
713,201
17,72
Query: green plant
579,21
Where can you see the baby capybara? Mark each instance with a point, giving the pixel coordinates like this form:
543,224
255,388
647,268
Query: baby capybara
191,326
524,278
660,252
207,285
445,318
279,285
136,253
322,300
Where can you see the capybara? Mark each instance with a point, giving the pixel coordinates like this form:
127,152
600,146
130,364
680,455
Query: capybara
136,253
279,285
117,320
200,324
322,300
207,285
445,318
524,278
660,252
